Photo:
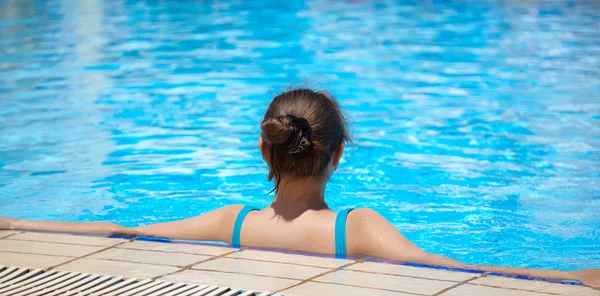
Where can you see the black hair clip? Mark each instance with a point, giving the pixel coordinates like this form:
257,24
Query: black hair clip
303,144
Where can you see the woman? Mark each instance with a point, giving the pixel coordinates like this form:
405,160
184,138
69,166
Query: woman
302,139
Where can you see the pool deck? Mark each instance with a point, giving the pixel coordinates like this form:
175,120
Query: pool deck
258,270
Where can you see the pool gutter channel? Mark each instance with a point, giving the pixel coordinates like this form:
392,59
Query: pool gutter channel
16,281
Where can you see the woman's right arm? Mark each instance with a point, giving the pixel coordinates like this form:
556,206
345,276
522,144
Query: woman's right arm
216,225
372,235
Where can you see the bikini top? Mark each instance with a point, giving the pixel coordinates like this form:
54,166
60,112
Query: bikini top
340,230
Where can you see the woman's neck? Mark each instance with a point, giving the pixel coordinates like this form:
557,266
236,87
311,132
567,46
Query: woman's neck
295,196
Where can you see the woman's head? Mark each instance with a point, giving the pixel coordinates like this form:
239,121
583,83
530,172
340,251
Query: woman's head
303,133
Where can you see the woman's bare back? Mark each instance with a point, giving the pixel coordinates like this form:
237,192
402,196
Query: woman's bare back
311,231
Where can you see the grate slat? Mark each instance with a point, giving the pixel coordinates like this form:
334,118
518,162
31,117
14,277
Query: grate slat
166,291
7,272
217,292
16,280
127,288
89,285
40,278
140,289
210,289
79,286
196,290
16,274
118,286
33,286
158,287
181,290
71,285
108,283
233,292
60,283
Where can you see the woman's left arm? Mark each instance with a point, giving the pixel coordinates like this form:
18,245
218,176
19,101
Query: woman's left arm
216,225
371,234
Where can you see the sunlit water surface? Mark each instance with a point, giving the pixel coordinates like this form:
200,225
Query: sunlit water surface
476,124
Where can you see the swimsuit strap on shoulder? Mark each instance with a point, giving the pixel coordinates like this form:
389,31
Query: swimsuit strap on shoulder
340,233
237,227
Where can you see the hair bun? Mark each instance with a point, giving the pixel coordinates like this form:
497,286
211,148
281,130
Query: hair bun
285,130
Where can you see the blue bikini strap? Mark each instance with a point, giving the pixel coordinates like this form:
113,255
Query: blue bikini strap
237,227
340,233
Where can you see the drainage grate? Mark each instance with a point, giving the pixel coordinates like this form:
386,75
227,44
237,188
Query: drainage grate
15,281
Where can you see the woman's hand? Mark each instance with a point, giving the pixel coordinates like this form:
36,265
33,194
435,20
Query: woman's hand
589,277
7,223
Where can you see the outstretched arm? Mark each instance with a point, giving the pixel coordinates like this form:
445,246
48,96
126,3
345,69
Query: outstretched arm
216,225
372,235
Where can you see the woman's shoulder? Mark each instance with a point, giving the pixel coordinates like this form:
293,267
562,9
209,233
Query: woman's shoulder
371,234
226,213
231,210
364,213
364,219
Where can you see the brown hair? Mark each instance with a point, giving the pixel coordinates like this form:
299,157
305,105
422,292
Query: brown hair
298,114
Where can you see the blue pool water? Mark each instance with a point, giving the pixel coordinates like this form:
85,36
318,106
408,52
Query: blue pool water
476,124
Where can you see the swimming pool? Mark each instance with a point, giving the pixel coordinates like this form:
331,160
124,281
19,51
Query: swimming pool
476,125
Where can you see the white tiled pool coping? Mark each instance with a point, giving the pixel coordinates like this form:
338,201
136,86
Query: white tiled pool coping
258,270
